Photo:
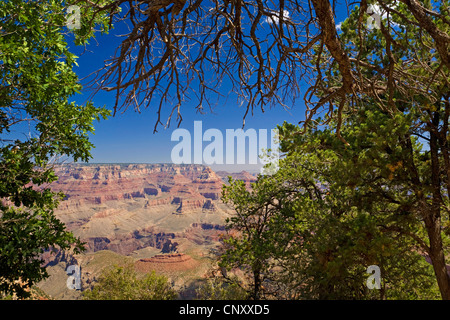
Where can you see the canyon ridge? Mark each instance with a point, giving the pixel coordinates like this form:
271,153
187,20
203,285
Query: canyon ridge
162,217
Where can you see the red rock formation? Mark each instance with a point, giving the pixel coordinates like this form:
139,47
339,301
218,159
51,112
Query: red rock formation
168,258
98,184
130,207
166,262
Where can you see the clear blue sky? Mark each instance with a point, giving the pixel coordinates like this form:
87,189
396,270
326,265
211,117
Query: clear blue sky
129,137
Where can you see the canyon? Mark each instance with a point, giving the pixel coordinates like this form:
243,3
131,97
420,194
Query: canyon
161,217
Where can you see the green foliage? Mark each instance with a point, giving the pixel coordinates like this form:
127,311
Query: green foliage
38,123
332,210
371,206
24,235
384,192
123,283
218,289
265,228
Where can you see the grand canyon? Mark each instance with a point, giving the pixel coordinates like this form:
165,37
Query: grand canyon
162,217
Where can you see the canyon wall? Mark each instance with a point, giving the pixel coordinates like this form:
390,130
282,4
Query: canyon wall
128,207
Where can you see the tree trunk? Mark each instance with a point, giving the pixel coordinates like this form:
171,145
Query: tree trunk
257,284
433,226
432,215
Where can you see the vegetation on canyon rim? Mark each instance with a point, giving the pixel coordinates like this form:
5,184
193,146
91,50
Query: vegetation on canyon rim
366,183
123,283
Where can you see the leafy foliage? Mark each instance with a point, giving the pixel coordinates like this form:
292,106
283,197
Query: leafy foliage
332,210
216,288
123,283
38,123
373,210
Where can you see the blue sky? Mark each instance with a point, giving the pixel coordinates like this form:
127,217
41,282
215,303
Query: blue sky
129,137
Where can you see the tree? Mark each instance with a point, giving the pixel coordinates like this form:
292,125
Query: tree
420,110
314,227
373,196
263,229
123,283
37,124
248,248
265,50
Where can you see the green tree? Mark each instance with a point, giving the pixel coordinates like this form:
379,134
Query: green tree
123,283
331,211
266,229
372,215
412,71
38,123
248,248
